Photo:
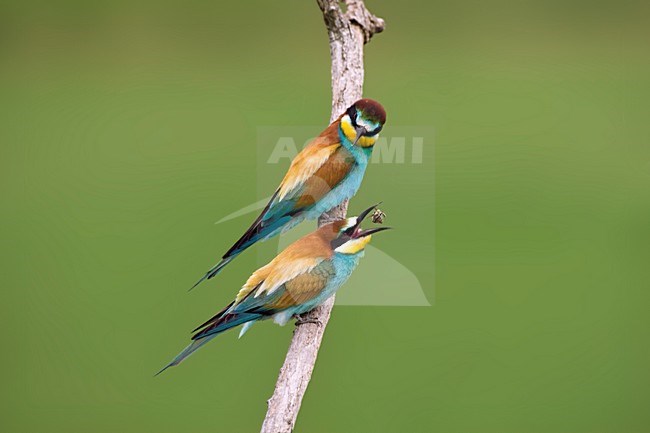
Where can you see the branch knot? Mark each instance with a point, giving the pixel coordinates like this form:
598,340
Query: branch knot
358,14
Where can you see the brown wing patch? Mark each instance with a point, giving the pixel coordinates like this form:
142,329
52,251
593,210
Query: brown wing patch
326,177
301,257
304,287
310,159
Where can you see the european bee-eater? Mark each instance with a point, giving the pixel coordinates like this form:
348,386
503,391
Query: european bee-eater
326,172
298,279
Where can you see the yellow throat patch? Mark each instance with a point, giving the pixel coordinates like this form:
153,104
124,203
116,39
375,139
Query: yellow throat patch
351,134
354,246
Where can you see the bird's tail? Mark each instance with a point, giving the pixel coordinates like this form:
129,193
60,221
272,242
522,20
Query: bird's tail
214,270
270,222
246,241
211,329
193,347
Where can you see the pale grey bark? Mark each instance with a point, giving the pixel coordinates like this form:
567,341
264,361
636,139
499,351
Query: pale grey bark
348,31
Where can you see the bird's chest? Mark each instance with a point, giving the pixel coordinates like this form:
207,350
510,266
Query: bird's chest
333,189
343,266
346,263
356,160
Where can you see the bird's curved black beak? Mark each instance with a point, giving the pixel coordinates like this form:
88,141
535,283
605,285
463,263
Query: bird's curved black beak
363,233
358,233
360,130
366,212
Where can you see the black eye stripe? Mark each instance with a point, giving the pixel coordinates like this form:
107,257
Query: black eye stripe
340,241
352,112
345,236
373,132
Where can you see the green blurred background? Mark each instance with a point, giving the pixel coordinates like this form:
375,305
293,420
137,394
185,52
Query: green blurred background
128,128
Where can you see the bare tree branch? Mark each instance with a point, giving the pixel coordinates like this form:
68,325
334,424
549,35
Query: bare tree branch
348,31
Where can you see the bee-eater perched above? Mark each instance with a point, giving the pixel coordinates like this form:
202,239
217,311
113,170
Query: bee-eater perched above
326,172
298,279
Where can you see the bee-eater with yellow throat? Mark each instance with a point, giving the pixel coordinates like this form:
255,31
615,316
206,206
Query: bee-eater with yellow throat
326,172
297,280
